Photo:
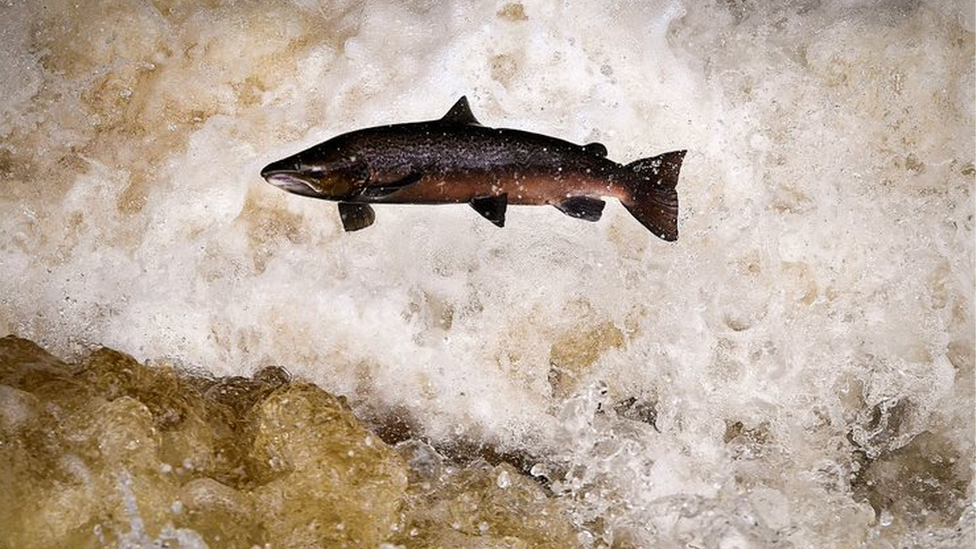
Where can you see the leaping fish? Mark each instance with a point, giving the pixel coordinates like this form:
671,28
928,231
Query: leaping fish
457,160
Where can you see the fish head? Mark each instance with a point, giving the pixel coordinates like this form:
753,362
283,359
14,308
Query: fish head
329,173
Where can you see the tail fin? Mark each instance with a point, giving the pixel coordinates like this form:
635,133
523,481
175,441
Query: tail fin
653,199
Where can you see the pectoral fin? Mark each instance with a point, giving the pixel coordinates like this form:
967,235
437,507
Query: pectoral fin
386,188
582,207
492,208
355,216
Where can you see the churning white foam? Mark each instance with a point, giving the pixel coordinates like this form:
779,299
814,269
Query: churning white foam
824,276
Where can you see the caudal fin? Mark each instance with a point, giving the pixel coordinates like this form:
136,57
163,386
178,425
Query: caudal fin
653,199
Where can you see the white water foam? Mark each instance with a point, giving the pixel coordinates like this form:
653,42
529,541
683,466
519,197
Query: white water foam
824,276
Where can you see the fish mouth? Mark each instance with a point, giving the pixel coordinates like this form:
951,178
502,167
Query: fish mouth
291,181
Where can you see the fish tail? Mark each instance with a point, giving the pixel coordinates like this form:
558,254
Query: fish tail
652,199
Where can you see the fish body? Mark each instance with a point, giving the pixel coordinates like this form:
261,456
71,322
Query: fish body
457,160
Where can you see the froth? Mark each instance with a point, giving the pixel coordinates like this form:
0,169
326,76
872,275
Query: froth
818,307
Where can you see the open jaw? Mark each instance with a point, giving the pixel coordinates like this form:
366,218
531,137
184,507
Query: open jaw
292,183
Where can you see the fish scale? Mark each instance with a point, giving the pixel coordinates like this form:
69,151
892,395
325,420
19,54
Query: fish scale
455,159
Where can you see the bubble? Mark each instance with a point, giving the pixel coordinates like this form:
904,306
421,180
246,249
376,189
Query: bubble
503,480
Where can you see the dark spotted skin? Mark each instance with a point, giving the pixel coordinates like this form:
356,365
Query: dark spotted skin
456,160
459,162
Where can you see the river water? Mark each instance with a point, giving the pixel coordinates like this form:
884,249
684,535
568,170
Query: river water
797,370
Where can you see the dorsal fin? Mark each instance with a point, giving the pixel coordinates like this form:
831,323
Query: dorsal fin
597,149
460,113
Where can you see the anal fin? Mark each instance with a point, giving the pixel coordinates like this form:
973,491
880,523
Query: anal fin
356,216
582,207
492,208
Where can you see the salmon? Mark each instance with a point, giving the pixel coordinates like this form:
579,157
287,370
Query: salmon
454,160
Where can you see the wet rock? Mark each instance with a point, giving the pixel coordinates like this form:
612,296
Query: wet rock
220,514
178,412
334,483
478,505
24,363
110,452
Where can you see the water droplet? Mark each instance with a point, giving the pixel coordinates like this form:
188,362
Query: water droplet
503,480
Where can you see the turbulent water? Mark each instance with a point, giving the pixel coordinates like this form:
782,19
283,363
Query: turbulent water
796,371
